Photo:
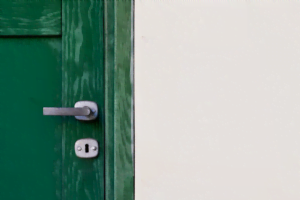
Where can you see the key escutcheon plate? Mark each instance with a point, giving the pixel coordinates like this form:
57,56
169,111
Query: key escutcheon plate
86,148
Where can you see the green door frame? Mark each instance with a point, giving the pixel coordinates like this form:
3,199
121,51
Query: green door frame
119,105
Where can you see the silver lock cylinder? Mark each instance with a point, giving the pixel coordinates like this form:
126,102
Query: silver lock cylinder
86,148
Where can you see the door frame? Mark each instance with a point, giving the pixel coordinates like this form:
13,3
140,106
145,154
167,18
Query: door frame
119,104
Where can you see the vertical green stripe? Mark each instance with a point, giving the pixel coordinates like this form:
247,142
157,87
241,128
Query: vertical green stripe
83,79
109,98
119,105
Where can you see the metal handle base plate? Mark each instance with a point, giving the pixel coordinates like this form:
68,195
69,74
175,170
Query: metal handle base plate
92,106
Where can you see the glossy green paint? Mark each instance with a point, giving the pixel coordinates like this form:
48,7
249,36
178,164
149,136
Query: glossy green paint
83,79
30,145
119,100
30,17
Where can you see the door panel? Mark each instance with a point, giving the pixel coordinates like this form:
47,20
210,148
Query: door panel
30,17
30,146
39,161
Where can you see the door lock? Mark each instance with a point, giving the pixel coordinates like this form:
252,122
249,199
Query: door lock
86,148
83,110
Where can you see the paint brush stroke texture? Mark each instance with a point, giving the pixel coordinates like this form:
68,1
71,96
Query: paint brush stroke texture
30,17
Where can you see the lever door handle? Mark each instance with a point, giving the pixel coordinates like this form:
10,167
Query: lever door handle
83,110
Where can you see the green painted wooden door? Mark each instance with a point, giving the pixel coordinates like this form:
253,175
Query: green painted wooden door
51,55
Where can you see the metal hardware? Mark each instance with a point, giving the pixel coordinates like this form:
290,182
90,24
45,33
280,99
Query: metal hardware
86,148
83,110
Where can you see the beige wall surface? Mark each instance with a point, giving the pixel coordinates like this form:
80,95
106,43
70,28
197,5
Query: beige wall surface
217,99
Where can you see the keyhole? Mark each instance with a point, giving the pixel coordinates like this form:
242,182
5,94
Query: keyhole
86,148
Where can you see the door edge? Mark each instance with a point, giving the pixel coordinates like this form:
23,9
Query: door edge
119,101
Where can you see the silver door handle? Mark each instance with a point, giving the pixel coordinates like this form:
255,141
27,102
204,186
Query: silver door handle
67,111
83,110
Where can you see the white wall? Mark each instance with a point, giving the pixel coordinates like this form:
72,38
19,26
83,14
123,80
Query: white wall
217,99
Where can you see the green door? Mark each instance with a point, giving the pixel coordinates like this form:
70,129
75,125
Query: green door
51,55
